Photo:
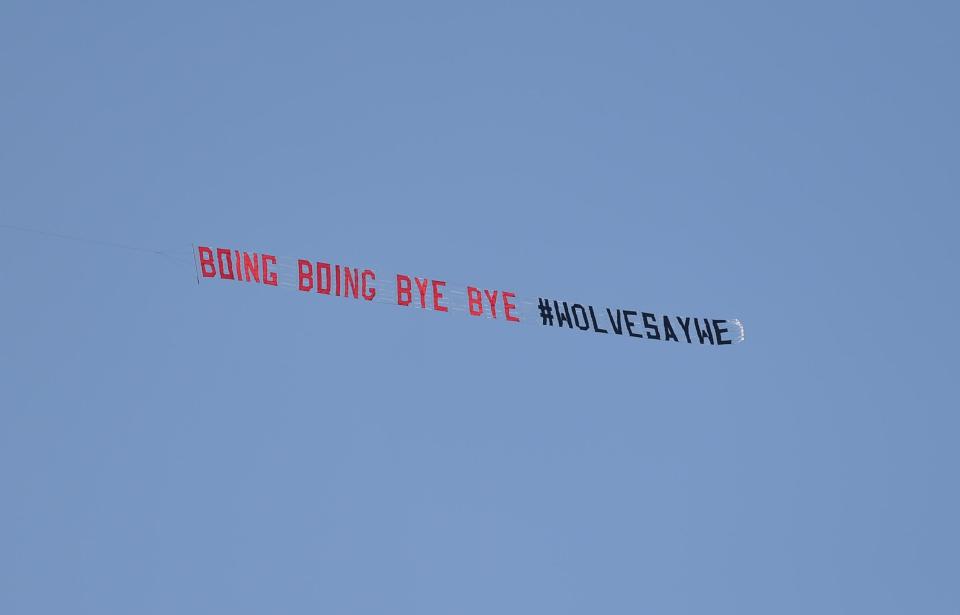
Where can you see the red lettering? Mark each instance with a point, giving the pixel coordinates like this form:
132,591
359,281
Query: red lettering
351,280
507,306
221,252
474,301
251,268
437,296
366,286
269,277
493,302
422,287
323,268
403,290
337,269
237,265
207,268
306,274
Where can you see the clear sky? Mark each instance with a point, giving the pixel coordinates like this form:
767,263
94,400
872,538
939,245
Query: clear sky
173,448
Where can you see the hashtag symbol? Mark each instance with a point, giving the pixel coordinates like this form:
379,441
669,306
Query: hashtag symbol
546,312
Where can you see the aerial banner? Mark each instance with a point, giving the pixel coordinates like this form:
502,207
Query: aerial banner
412,290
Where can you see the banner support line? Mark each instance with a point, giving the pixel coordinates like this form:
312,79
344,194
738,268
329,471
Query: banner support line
196,269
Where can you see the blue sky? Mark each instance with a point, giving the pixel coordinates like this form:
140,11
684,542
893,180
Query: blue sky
168,447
